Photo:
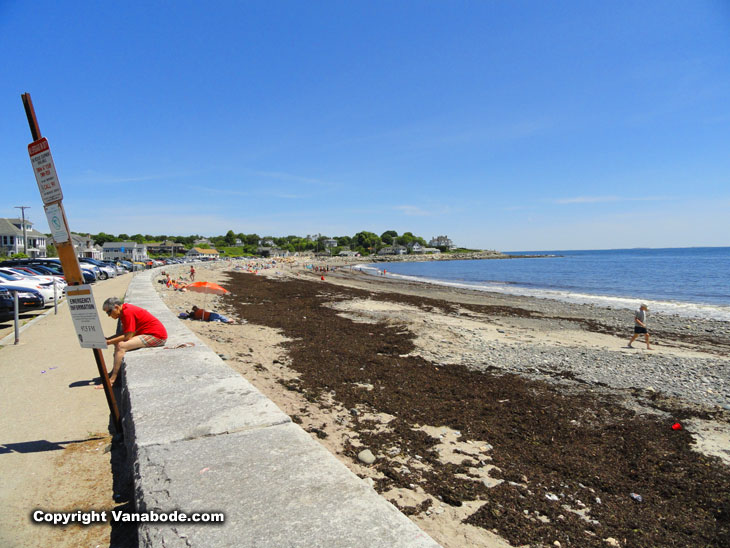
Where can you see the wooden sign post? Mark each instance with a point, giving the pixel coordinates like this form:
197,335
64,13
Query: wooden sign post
50,189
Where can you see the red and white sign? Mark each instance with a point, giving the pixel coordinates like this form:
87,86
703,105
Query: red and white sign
45,171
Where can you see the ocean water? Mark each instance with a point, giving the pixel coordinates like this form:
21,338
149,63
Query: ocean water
691,282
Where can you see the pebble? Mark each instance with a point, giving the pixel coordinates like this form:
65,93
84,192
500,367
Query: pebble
366,456
684,377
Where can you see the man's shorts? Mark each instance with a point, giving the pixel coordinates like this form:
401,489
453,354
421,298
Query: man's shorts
149,341
638,329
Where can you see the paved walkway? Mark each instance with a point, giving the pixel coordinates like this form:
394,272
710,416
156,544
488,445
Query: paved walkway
47,405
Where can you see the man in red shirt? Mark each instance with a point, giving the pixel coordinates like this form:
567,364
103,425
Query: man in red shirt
140,329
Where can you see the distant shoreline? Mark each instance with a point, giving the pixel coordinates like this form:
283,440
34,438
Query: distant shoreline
470,256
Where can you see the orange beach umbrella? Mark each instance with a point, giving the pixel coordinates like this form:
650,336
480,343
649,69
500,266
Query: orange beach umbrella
207,287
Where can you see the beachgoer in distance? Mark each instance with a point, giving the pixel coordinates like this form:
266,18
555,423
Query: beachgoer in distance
140,329
640,326
192,273
206,316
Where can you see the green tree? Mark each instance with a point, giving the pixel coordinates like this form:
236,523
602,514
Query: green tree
137,238
368,241
388,236
123,238
230,238
103,237
405,239
252,239
51,250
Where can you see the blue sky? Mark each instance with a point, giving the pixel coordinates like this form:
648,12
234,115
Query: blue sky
507,125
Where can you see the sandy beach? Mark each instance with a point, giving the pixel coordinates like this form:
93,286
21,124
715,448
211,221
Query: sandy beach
494,420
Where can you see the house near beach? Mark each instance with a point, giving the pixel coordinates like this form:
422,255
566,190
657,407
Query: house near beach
441,241
393,250
272,251
168,247
200,253
86,247
12,239
126,251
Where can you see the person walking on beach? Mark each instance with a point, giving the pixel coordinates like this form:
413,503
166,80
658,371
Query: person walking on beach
192,273
140,329
640,326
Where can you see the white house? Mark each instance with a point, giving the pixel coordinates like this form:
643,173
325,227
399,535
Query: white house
11,238
441,241
85,247
128,251
200,253
393,250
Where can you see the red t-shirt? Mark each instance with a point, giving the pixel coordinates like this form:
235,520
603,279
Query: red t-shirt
141,322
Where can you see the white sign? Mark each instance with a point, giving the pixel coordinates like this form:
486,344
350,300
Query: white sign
56,223
45,171
85,317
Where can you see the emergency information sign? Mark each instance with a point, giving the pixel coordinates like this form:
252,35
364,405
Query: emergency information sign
85,317
45,171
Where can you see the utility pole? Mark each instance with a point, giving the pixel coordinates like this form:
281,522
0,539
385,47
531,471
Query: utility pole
25,239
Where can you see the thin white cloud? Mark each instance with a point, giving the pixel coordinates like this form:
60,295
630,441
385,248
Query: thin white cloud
97,178
291,177
606,199
413,211
212,190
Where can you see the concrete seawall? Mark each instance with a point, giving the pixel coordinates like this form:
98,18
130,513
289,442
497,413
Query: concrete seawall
201,438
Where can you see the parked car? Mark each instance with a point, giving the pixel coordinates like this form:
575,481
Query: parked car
28,299
118,268
40,270
89,272
49,263
7,304
105,271
45,289
42,279
133,266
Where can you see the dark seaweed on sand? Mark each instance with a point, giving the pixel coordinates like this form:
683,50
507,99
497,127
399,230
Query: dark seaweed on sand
579,447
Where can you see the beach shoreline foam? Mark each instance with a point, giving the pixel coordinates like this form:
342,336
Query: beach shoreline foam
462,338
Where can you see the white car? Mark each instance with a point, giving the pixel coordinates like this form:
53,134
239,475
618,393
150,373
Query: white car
45,288
42,278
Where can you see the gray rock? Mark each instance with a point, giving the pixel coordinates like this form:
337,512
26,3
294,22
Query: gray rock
366,456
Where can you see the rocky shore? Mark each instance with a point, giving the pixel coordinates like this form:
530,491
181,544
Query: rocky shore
466,256
494,417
